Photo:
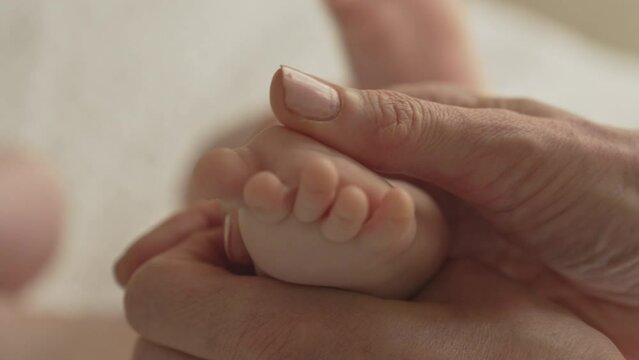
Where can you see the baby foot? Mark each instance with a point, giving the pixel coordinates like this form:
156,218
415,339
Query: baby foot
309,215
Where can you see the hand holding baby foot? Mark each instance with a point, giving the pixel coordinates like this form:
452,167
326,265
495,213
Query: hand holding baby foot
185,304
551,197
311,216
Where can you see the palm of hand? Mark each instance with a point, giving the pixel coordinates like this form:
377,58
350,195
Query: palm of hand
476,238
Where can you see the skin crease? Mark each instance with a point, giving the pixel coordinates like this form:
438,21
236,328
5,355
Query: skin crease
616,320
491,247
480,237
467,312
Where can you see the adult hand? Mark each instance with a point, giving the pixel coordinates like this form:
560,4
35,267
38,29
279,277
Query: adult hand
186,305
377,30
542,184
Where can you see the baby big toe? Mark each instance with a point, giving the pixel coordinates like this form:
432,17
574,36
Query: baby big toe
224,175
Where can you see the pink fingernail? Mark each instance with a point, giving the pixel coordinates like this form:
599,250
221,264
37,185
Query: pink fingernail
309,97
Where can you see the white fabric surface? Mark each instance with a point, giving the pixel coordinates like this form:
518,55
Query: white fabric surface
120,95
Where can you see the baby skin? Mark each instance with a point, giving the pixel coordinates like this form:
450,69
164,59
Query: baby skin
309,215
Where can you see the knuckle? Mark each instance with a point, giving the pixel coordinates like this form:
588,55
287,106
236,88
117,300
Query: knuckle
398,119
507,147
396,116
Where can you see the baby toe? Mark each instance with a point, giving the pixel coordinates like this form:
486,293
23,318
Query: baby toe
318,183
347,215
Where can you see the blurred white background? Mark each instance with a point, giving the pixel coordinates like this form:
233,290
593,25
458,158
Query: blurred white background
119,96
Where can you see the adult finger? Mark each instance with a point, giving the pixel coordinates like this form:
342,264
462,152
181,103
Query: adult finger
184,299
454,95
389,42
166,236
462,150
145,350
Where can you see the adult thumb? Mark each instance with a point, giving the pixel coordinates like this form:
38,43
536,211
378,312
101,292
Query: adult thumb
459,149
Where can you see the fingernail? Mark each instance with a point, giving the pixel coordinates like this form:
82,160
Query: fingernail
309,97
